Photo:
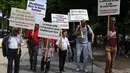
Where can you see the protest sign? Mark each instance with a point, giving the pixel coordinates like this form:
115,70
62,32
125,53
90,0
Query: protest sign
41,1
1,14
49,30
108,7
39,8
78,14
61,20
22,18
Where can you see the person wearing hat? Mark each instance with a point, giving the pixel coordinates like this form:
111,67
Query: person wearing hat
82,44
14,51
32,42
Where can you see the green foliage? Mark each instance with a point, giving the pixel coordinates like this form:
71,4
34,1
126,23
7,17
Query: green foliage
5,5
127,19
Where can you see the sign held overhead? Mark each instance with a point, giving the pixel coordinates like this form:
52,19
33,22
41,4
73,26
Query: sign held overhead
61,20
49,30
78,14
108,7
39,8
22,18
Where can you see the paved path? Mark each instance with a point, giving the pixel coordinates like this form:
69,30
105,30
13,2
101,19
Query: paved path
24,65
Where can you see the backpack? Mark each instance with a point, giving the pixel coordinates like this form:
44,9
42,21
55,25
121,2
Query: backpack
89,34
31,42
5,45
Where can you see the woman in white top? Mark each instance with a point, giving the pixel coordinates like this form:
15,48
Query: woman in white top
63,44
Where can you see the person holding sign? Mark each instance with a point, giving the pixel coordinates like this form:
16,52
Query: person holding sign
47,54
14,51
110,46
90,41
32,37
82,44
63,44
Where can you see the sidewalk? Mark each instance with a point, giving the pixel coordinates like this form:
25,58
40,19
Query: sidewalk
24,64
54,68
121,62
3,60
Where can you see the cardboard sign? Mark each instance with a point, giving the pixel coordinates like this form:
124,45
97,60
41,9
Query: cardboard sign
41,1
22,18
108,7
61,20
78,14
49,30
1,14
39,8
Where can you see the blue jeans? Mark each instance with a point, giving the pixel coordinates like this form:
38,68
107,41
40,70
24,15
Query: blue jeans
79,48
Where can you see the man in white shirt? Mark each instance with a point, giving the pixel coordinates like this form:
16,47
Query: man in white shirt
63,44
14,51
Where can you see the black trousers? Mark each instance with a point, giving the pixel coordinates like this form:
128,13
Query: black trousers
72,50
33,52
43,63
62,57
13,57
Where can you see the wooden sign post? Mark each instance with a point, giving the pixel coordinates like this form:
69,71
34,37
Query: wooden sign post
108,24
19,43
46,50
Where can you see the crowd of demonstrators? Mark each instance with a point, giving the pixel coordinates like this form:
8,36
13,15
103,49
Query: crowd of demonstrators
32,42
78,43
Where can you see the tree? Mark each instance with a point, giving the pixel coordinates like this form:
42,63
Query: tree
5,5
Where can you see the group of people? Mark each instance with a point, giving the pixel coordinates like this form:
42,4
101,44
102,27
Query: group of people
84,38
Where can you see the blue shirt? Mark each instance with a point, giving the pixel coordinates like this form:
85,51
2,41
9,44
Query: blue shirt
71,38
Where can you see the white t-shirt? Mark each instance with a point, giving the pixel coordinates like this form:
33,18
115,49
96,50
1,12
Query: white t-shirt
65,43
13,42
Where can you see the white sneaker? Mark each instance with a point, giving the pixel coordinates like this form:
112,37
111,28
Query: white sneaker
77,69
86,70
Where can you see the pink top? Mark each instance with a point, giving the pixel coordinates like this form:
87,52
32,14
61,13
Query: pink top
49,52
112,40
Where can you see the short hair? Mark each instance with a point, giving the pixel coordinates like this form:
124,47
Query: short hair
64,31
83,20
113,19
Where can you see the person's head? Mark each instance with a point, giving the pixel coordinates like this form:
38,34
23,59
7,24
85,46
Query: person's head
113,20
15,31
83,22
36,26
64,33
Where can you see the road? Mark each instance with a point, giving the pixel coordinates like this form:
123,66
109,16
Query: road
24,65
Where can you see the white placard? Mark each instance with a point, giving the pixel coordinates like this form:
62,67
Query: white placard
61,20
41,1
39,8
108,7
49,30
0,14
78,14
22,18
